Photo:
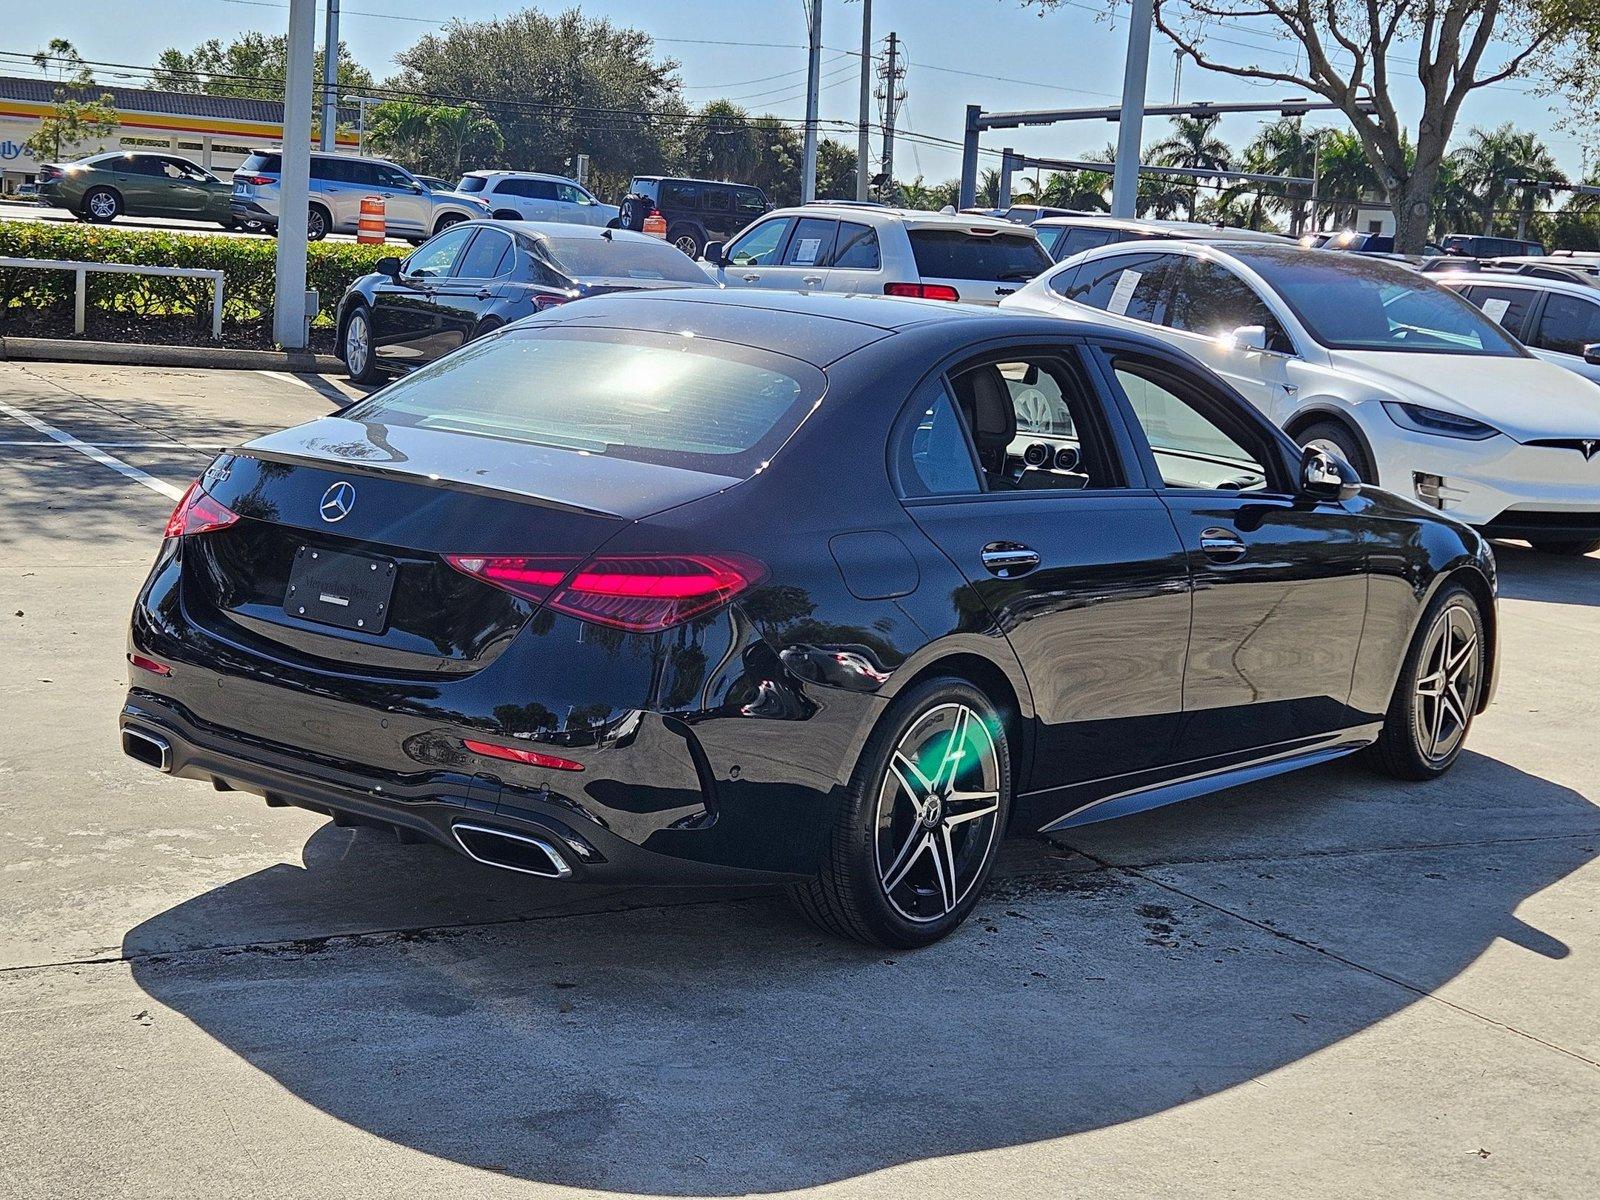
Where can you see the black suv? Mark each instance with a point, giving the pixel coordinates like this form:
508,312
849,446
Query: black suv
697,211
1481,246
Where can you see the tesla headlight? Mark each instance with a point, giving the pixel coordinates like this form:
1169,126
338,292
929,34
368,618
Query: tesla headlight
1437,422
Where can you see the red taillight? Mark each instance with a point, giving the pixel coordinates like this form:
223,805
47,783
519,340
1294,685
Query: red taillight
149,664
46,174
642,593
922,291
254,180
545,301
198,513
532,757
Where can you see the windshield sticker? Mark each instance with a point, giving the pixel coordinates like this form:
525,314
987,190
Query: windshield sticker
806,255
1495,310
1123,293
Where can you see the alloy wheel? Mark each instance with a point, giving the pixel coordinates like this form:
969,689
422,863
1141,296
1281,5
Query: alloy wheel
103,206
937,814
357,344
1447,683
687,244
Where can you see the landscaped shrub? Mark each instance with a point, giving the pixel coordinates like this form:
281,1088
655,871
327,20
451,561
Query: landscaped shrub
249,265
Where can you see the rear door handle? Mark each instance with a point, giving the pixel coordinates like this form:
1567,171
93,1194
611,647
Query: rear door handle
750,278
484,293
1009,559
813,280
1222,545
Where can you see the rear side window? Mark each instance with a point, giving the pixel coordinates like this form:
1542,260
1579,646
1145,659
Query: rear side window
1076,241
932,454
261,164
749,202
656,398
1128,285
716,200
1508,306
471,183
488,257
1568,324
536,189
679,195
957,254
857,247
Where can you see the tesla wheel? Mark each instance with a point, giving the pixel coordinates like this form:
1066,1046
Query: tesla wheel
1573,547
1333,436
1438,690
316,224
688,241
102,206
355,346
918,832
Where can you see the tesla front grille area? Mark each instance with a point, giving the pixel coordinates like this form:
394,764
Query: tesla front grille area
823,592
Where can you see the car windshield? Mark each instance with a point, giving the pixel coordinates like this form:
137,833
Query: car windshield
657,398
957,254
1347,302
623,258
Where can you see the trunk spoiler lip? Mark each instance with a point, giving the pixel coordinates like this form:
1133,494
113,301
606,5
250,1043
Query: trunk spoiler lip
371,470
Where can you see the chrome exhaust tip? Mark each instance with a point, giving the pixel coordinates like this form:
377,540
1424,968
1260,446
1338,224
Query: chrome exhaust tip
523,852
148,748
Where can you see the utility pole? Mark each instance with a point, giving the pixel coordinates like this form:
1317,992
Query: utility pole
891,93
294,182
1316,177
1177,74
863,148
808,171
1130,133
330,78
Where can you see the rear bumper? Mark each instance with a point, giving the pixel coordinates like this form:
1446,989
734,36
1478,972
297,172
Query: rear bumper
251,211
163,735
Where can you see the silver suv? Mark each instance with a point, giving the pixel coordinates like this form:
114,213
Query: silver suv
412,210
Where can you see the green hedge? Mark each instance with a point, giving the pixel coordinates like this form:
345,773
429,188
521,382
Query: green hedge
249,265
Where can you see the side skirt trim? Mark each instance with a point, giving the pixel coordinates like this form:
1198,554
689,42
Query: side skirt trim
1140,799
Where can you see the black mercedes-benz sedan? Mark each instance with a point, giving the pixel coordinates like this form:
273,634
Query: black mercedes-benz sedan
820,590
476,276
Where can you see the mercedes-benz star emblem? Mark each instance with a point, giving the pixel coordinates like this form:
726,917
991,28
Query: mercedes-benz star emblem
337,502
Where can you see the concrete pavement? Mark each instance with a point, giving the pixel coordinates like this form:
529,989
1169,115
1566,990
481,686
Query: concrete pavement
1325,984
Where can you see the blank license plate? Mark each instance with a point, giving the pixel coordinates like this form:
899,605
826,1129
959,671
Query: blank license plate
351,591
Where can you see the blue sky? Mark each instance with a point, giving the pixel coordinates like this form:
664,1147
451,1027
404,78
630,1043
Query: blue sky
999,53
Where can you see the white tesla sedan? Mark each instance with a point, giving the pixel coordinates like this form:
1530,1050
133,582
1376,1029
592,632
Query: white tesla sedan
1415,387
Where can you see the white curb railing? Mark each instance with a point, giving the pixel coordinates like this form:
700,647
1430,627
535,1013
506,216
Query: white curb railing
82,269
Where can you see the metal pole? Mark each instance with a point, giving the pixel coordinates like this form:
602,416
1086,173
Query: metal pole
330,77
808,179
294,186
863,149
1316,177
1007,165
1130,133
969,160
891,108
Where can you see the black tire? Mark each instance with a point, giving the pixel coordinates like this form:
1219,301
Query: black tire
1407,748
687,238
101,205
446,221
318,223
1345,444
1568,547
359,361
939,856
487,325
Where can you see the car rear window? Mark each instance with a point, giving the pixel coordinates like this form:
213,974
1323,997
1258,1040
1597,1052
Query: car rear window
471,183
623,258
957,254
261,164
659,398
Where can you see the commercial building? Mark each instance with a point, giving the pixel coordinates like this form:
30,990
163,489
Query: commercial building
215,131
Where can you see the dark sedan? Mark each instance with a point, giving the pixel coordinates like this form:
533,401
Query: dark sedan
476,276
819,590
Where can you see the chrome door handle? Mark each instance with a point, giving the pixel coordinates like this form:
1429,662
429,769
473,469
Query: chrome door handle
750,278
483,293
1009,559
813,280
1222,545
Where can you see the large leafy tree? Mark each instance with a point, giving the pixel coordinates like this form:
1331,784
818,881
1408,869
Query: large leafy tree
557,86
1489,158
1358,54
252,65
1193,144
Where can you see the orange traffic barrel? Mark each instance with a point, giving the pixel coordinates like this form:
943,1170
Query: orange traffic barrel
369,229
655,224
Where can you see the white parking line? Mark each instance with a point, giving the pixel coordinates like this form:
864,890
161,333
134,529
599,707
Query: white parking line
91,451
46,443
315,383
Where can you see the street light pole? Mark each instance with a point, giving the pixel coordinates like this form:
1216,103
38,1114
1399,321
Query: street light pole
1130,132
808,171
294,186
330,78
863,150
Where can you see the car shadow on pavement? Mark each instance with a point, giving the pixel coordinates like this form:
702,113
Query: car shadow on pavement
1527,574
706,1045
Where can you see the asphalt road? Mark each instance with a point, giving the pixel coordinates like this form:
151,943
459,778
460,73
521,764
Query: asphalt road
1321,985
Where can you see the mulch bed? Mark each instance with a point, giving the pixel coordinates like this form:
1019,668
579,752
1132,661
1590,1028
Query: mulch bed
163,331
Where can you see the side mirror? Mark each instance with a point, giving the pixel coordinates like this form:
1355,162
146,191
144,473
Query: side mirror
389,267
1591,354
713,254
1249,337
1326,476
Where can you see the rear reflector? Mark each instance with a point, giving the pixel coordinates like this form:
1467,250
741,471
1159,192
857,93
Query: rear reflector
922,291
641,593
532,757
149,664
198,513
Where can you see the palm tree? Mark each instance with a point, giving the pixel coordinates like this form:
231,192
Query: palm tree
401,128
459,126
1492,156
989,188
1076,189
1280,148
1345,177
1193,146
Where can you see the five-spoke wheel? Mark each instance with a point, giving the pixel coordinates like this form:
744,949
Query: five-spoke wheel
1439,689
